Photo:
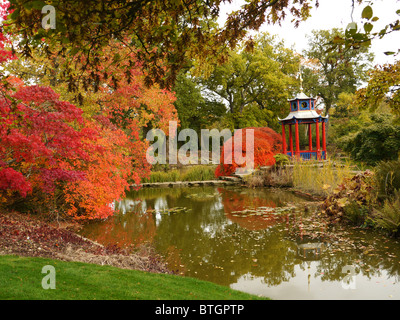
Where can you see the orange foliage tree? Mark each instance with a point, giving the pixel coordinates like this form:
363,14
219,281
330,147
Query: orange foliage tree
69,163
267,143
75,161
121,93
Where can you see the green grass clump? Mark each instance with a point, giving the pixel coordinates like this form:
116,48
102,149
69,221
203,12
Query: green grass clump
387,218
195,173
161,176
198,173
21,279
321,180
388,177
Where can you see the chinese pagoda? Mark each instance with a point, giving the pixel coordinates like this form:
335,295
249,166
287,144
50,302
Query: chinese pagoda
304,112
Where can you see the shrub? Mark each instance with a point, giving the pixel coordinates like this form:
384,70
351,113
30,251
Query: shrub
355,191
162,176
198,173
281,159
377,142
256,181
267,143
388,218
195,173
355,213
388,177
282,177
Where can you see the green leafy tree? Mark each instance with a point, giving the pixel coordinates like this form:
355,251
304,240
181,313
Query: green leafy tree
334,70
346,118
194,111
345,107
368,135
383,86
248,83
383,81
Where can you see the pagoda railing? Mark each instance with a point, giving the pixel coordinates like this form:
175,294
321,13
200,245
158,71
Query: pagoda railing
309,155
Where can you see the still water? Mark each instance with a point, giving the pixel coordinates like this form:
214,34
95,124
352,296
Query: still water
265,242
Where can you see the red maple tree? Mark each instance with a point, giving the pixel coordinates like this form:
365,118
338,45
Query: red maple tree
66,162
267,143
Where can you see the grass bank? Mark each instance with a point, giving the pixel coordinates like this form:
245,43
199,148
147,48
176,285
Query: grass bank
21,279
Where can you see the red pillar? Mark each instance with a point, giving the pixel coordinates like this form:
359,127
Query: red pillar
324,138
291,139
318,141
297,140
283,139
310,136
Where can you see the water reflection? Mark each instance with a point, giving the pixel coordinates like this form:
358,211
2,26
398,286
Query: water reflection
255,241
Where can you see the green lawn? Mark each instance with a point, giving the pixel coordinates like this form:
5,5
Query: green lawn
21,278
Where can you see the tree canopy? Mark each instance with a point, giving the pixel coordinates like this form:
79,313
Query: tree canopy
75,159
170,31
262,80
332,71
383,86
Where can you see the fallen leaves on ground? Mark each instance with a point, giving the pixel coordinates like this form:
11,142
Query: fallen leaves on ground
24,235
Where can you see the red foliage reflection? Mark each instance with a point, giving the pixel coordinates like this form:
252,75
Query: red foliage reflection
128,231
234,201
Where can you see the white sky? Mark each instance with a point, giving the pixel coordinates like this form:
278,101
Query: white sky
335,14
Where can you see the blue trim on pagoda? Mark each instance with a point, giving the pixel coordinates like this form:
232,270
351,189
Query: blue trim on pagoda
308,155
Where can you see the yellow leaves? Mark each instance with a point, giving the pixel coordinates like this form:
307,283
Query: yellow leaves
336,191
342,202
353,195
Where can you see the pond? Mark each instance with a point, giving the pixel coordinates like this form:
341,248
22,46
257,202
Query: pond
262,241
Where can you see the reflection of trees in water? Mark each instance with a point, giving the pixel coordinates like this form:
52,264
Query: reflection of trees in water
369,253
368,263
214,248
219,250
259,196
126,205
239,201
392,269
227,253
124,230
171,192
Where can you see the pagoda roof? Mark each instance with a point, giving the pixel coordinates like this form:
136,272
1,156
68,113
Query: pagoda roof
301,96
303,115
